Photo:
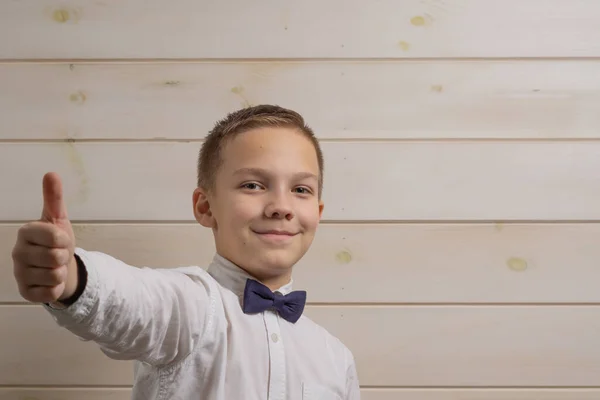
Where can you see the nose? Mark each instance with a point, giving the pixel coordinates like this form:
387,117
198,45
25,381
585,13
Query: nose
279,206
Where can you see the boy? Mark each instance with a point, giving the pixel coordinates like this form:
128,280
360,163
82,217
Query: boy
235,331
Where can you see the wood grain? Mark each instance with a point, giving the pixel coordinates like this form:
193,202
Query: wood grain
271,29
364,181
340,100
550,346
366,394
383,263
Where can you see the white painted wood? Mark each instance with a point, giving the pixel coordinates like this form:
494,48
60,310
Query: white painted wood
366,394
363,180
50,393
374,100
389,263
393,346
363,80
469,346
412,28
477,394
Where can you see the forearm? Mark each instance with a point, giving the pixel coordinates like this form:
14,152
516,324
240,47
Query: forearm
151,315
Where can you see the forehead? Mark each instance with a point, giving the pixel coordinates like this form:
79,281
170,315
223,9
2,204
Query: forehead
280,148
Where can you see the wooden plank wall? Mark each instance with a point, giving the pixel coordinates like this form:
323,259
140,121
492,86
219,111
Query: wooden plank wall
458,257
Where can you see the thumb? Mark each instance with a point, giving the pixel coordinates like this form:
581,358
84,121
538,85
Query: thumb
54,205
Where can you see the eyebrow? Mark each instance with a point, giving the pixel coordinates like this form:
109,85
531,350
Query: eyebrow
264,172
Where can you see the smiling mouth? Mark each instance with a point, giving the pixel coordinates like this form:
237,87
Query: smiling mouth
276,237
275,233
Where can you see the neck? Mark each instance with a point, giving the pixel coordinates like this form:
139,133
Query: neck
274,282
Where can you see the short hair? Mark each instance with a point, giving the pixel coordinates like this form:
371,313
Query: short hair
265,115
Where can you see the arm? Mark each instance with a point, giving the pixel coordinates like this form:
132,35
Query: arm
352,384
156,316
152,315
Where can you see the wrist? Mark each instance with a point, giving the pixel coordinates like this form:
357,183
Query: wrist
76,281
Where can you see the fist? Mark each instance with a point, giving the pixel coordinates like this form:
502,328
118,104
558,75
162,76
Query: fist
43,256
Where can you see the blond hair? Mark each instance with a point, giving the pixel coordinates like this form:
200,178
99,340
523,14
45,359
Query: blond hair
210,160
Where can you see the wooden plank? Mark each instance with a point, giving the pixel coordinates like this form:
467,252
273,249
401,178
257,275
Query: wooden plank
375,100
366,394
50,393
272,29
438,263
393,346
363,180
469,346
477,394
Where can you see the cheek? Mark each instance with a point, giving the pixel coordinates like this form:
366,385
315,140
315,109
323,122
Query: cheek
242,210
309,217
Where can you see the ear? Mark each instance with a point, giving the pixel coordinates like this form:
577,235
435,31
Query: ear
202,211
321,206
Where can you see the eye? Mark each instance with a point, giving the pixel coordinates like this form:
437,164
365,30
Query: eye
251,186
303,190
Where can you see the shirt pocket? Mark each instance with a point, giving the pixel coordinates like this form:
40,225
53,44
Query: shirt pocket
313,391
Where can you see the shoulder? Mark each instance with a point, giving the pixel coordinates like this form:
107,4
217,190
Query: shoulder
193,272
196,276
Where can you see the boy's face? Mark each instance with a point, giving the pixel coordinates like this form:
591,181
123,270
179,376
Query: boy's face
265,208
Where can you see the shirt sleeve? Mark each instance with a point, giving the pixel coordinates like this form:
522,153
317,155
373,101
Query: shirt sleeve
352,383
152,315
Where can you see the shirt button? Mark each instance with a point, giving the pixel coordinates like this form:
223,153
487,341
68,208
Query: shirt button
274,337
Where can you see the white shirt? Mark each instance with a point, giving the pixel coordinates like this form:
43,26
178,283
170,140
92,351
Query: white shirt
191,340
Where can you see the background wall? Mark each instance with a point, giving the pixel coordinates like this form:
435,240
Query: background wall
459,254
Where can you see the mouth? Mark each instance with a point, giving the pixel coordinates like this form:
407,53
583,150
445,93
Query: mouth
275,232
275,235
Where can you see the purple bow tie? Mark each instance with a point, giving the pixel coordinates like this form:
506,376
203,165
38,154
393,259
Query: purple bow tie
258,298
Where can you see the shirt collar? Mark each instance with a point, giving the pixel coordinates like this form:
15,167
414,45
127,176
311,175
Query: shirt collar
232,277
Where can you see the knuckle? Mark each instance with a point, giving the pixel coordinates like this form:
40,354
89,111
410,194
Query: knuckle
41,294
22,234
16,253
23,292
55,237
27,293
26,229
53,293
29,233
23,229
64,257
18,272
56,276
24,276
54,256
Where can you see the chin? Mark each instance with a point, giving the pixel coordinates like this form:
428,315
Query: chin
276,260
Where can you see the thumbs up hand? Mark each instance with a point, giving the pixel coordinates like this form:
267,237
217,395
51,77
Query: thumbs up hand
43,256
